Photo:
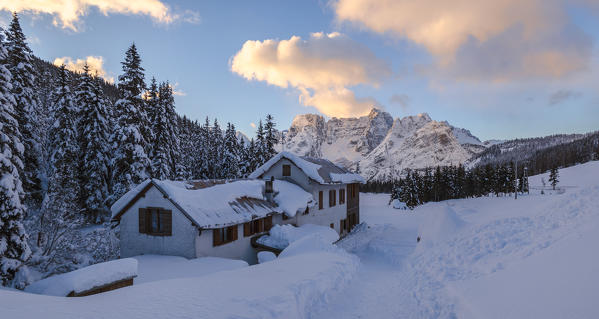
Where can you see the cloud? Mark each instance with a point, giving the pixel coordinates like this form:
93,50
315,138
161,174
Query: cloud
496,40
176,91
403,100
95,63
321,68
67,13
561,96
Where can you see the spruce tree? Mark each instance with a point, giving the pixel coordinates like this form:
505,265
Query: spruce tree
20,59
14,250
260,145
131,164
166,154
60,212
554,177
231,153
93,141
270,138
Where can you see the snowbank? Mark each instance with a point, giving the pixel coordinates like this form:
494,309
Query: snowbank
85,279
440,222
399,205
266,256
285,288
158,267
282,235
291,198
315,242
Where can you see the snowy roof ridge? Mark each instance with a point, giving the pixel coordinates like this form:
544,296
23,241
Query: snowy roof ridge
320,170
221,204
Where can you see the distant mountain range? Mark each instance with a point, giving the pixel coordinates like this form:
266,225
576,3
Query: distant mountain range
380,147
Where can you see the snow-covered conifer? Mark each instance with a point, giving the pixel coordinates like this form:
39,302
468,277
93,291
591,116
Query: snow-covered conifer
14,249
93,142
20,65
130,164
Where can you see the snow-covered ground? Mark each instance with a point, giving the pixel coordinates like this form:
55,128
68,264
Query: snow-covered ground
491,257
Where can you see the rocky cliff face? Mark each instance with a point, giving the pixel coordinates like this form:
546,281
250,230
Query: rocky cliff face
379,145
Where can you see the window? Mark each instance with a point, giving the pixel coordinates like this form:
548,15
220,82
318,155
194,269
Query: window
342,196
332,226
332,198
320,199
155,221
286,170
225,235
257,226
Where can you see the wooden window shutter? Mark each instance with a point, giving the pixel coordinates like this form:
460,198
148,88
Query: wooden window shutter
216,237
166,222
247,229
142,220
268,223
286,170
235,232
320,199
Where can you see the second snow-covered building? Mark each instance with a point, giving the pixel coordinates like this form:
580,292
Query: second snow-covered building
219,218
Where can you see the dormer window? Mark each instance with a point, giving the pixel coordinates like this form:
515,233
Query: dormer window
286,170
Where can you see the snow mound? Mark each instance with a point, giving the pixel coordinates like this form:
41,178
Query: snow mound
385,242
399,205
439,224
316,242
158,267
266,256
85,279
284,288
282,235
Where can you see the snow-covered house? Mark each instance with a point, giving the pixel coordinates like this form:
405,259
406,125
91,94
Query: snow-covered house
335,189
203,218
219,218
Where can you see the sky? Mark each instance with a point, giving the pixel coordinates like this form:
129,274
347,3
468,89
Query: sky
500,68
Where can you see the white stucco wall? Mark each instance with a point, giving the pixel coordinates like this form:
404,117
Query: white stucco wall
323,217
133,243
239,249
326,215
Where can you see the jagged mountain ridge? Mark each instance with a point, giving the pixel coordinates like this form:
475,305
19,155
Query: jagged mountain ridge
378,145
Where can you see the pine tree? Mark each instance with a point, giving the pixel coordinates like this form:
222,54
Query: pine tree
554,177
93,141
131,164
231,153
260,146
60,209
270,138
14,249
166,155
23,74
216,150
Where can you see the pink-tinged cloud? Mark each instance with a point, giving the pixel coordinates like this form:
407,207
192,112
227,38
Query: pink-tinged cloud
321,68
67,13
95,64
496,40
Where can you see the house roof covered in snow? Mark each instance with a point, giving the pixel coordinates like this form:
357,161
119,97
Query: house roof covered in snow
318,169
216,204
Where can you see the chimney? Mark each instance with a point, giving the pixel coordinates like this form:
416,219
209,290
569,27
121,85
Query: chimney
268,189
